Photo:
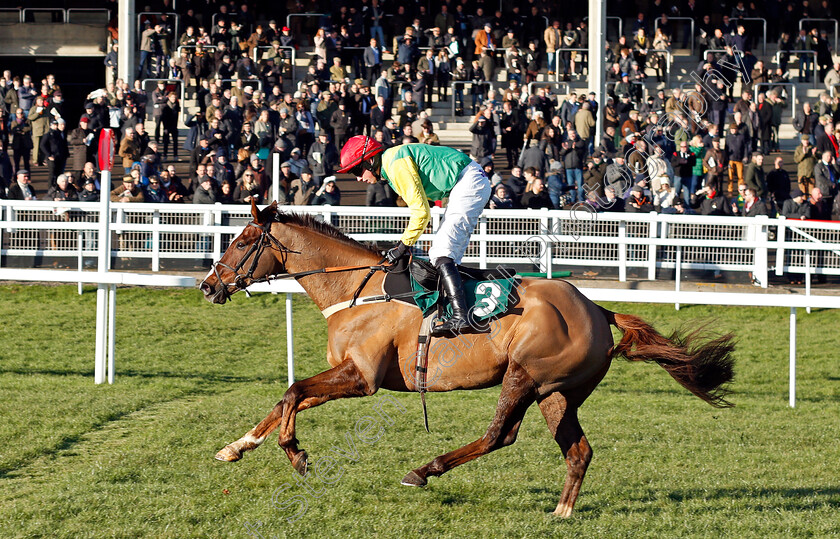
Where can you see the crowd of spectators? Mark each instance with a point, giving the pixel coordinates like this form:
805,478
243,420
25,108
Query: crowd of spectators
707,158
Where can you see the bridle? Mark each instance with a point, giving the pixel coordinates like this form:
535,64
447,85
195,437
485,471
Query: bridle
266,240
257,248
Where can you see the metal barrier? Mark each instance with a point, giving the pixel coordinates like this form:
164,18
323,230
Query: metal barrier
71,11
12,10
193,48
763,31
836,29
612,85
774,85
147,14
290,15
690,19
557,53
268,47
33,10
620,26
258,82
797,54
452,85
549,84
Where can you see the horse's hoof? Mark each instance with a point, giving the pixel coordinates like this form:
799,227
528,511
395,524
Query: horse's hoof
563,511
228,455
301,463
413,479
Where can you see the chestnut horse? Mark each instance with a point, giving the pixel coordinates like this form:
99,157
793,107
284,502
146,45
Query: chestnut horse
553,348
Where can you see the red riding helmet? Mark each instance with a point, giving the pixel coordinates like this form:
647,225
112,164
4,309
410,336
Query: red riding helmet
358,149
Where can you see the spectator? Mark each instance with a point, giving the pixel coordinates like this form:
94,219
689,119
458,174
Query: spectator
303,188
534,157
753,204
322,157
328,195
805,121
154,192
806,158
754,176
501,199
737,155
572,152
21,131
428,136
380,194
797,206
129,150
778,182
638,201
248,189
129,191
483,135
612,202
710,201
536,197
39,119
22,188
89,192
171,111
54,149
826,177
205,193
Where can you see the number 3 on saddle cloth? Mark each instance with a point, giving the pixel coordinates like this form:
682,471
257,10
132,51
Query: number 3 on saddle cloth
489,293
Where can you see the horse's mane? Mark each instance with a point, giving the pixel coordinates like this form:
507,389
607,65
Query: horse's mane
309,222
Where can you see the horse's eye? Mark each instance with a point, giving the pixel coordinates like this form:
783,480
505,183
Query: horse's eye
240,245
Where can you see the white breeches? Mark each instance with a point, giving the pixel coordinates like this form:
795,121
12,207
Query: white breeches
466,202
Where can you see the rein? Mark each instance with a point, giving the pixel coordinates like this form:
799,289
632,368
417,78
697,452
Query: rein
257,249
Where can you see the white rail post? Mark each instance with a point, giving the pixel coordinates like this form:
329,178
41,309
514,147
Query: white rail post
622,251
102,289
678,276
275,178
792,369
156,241
290,342
80,261
759,235
112,340
808,277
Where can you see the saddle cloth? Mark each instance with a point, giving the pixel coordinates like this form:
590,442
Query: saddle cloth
489,293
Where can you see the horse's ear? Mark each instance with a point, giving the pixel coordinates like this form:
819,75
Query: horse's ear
255,213
266,215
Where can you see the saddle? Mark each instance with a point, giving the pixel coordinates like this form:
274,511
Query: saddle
489,292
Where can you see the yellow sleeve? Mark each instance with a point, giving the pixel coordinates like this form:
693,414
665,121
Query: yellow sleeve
408,185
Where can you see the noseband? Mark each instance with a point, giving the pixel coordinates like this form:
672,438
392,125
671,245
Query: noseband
257,249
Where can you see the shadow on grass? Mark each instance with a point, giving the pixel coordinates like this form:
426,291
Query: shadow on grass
67,442
763,499
140,374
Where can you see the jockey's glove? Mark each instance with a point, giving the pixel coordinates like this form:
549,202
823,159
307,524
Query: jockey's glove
397,252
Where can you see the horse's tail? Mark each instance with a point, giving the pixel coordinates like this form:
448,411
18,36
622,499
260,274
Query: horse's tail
700,364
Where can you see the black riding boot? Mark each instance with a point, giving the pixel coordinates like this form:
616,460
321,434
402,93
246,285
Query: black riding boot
454,289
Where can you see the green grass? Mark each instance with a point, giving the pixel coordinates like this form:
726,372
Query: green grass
136,459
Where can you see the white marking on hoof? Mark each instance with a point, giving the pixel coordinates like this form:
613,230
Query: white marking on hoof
563,510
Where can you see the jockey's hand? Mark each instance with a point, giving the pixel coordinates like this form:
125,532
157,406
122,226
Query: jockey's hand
396,253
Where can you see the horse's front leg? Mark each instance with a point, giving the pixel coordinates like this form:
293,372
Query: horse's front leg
342,381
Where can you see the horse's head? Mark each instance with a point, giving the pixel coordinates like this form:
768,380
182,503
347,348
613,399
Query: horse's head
246,260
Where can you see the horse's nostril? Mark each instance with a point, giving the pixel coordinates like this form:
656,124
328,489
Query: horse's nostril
206,288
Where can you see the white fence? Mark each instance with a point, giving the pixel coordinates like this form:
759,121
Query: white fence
546,239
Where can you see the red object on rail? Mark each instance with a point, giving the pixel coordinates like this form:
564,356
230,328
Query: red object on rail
106,149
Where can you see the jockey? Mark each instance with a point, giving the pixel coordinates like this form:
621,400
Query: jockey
419,173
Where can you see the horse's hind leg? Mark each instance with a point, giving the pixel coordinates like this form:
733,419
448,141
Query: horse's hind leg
517,395
341,381
563,423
